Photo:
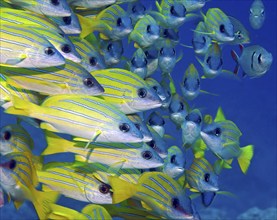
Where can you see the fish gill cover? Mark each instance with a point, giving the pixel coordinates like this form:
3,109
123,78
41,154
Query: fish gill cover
129,109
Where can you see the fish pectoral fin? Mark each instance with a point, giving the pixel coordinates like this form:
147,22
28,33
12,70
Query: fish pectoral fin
17,60
47,126
208,93
103,36
17,204
94,137
116,167
194,195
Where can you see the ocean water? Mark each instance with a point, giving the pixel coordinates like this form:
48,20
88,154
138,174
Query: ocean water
250,103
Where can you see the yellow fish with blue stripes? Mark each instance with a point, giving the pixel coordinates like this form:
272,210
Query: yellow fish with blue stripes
70,78
21,47
82,116
126,90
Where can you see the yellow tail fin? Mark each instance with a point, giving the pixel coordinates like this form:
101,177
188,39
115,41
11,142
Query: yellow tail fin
122,190
60,212
42,202
56,144
22,107
245,157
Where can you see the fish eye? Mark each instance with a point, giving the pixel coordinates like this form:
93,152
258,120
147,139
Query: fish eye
152,144
185,81
172,10
148,29
217,132
155,88
124,127
181,108
162,51
104,188
110,47
6,135
66,48
134,9
163,122
89,82
145,61
133,62
198,82
166,33
262,12
207,177
147,54
93,61
49,51
208,60
138,126
251,11
147,155
199,120
12,164
260,58
119,22
142,93
222,28
173,159
169,94
173,51
175,203
187,118
67,20
55,2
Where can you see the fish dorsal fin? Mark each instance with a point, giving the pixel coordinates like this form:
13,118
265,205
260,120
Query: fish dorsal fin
219,115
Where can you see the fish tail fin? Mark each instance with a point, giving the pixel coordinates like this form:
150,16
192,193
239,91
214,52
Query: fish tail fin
55,144
245,157
235,58
22,107
42,202
122,190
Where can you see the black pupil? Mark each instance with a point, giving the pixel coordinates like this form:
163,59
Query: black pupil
162,51
198,82
12,164
173,51
155,88
166,33
7,135
145,62
119,22
259,58
137,126
147,155
217,131
181,106
124,127
109,47
199,120
93,61
67,20
55,2
175,203
222,28
148,29
49,51
66,48
152,144
134,9
142,93
89,82
104,188
133,61
207,177
172,10
173,159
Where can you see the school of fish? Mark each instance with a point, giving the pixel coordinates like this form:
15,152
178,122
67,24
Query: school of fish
63,71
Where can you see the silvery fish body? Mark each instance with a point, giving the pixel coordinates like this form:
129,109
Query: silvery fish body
257,14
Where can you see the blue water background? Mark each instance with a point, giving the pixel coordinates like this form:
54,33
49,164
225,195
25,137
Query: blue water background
250,103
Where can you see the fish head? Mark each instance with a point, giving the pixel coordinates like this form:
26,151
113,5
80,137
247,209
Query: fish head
125,131
191,127
208,182
112,51
54,8
191,83
70,24
174,162
178,109
157,143
157,122
164,195
124,24
177,10
148,158
257,14
144,98
224,29
157,88
45,56
201,42
94,61
14,138
141,125
136,11
152,31
170,34
167,59
219,134
138,64
262,60
100,194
